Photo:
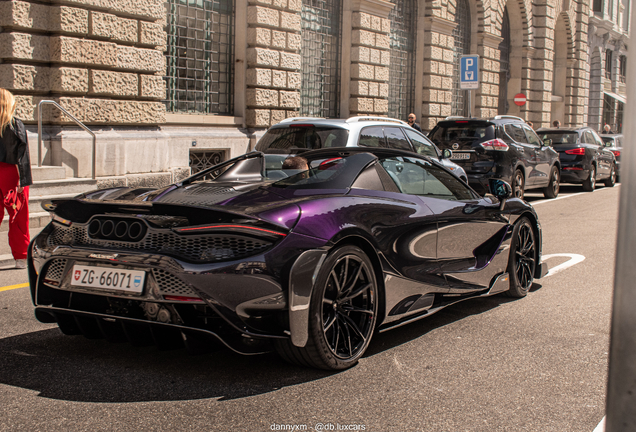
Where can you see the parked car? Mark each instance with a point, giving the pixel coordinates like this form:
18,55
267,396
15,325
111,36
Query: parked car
614,143
584,158
297,134
504,147
312,265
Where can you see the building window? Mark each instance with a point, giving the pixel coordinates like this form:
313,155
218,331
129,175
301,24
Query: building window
626,15
320,89
504,64
597,7
204,159
200,56
608,64
618,124
622,70
461,34
402,71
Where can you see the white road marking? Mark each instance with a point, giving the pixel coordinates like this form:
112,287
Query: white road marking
601,426
557,198
574,259
568,196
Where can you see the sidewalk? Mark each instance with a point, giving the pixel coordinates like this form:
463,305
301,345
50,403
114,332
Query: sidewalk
6,259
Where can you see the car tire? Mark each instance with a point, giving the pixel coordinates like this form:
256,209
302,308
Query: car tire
552,190
518,184
611,180
342,313
589,184
522,259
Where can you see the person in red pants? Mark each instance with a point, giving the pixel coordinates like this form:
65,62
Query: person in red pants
15,174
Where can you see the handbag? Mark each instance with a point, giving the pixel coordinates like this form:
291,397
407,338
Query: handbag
14,202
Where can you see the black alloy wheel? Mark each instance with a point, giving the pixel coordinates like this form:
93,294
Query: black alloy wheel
589,184
342,313
523,258
611,180
518,184
552,190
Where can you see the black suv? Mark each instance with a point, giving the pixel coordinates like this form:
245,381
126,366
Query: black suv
584,157
504,147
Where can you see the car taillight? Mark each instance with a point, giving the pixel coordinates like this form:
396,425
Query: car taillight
495,144
576,151
616,153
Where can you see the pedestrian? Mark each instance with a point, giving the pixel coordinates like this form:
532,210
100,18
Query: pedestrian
607,129
529,123
15,177
556,124
412,123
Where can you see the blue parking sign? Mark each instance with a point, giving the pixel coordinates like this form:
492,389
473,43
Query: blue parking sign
469,72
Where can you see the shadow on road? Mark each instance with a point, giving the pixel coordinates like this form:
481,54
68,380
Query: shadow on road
391,339
74,368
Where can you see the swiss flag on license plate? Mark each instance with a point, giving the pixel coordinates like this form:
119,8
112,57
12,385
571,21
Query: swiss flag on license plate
78,273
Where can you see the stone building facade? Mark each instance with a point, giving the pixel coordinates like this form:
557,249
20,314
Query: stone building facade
170,86
609,38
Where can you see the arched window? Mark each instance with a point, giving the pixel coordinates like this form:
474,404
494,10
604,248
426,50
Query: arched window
320,89
200,71
504,64
459,105
402,71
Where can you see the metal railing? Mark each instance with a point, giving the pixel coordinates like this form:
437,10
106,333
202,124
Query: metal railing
79,123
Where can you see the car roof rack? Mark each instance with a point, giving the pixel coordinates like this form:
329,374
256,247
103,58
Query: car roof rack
375,118
455,117
500,117
293,119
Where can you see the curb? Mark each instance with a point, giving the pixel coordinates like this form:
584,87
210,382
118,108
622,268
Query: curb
7,260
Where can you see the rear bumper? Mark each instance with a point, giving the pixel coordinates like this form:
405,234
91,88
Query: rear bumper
574,173
242,304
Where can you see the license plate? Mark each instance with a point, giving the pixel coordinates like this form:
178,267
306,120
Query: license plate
108,278
460,156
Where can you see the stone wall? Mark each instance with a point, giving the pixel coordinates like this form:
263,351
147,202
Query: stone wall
370,61
273,61
438,69
102,60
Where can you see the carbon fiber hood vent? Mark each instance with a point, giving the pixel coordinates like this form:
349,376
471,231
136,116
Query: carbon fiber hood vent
200,194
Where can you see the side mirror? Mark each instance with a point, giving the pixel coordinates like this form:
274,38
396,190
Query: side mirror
447,154
500,189
547,142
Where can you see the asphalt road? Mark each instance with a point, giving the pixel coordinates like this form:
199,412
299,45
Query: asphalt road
494,364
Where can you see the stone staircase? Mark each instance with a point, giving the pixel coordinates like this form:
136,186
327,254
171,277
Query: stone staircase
49,182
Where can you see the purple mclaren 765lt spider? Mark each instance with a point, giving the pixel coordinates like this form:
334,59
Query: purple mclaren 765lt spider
309,262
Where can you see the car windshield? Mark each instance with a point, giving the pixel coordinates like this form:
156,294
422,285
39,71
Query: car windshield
288,139
326,173
560,137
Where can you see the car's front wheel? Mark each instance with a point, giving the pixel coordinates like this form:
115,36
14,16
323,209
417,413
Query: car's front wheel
522,258
342,313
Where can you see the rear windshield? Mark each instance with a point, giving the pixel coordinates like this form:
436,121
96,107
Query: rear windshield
462,132
286,140
560,137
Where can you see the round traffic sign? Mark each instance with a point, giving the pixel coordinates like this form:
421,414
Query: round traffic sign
520,99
